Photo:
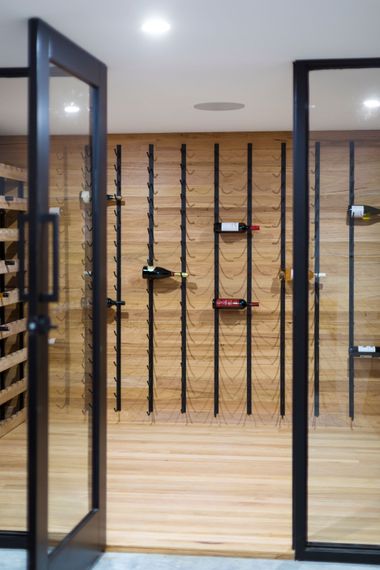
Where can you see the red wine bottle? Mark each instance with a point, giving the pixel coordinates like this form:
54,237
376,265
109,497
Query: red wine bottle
151,272
233,227
232,304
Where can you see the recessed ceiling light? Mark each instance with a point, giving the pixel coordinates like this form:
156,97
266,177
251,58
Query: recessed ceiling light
372,103
155,27
219,106
72,108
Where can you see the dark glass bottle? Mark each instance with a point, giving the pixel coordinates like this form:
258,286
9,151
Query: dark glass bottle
151,272
232,304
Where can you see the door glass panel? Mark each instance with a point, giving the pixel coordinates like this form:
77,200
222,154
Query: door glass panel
70,344
13,313
344,410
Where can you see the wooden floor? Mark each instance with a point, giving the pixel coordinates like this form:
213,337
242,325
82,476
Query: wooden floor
213,489
207,489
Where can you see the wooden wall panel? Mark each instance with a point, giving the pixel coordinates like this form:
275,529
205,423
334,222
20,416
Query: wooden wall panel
200,199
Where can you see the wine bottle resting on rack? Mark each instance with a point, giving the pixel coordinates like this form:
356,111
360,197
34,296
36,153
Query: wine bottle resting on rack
363,212
232,304
234,227
288,273
151,272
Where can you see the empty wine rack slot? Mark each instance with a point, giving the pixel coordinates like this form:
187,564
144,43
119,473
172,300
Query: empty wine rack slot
150,285
183,280
117,302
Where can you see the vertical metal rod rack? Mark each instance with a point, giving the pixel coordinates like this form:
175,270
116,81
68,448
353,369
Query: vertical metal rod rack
117,302
216,280
283,284
351,284
317,164
150,285
249,280
183,282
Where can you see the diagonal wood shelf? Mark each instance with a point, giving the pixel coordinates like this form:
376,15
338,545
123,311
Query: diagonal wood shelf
13,390
8,234
13,172
14,327
17,204
12,297
10,423
12,359
5,268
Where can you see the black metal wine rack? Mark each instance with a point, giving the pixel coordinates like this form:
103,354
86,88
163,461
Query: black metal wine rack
351,284
317,167
87,291
183,281
150,284
249,281
117,302
216,280
283,284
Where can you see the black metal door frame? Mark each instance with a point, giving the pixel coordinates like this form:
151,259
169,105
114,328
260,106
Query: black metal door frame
80,548
304,549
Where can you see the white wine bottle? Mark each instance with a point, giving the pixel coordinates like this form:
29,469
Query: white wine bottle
151,272
287,274
363,212
234,227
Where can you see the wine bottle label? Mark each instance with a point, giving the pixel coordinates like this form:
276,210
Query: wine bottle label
227,303
230,226
366,348
357,211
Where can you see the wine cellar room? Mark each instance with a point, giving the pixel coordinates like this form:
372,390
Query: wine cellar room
189,270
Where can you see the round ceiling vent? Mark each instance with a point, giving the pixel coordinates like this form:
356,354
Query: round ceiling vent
219,106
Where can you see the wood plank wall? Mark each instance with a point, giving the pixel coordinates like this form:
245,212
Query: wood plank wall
266,212
200,248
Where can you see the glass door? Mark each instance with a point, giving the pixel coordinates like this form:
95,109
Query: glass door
66,292
336,367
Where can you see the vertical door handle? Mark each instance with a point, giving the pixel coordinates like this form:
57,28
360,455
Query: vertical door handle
53,296
22,220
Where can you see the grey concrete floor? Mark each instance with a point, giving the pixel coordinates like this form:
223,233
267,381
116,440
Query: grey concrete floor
116,561
16,560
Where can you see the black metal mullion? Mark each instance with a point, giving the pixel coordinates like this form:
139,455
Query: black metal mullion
216,280
316,273
151,282
351,284
282,283
249,280
183,281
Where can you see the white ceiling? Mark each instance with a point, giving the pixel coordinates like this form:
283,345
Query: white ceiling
216,50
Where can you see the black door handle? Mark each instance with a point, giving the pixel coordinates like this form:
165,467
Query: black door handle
53,296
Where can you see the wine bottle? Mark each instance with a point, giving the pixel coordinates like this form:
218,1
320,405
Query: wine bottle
151,272
363,212
233,227
232,304
287,274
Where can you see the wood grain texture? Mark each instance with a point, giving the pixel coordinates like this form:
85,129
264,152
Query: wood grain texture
13,390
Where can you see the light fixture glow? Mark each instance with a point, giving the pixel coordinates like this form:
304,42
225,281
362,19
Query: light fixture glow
155,27
72,108
372,103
